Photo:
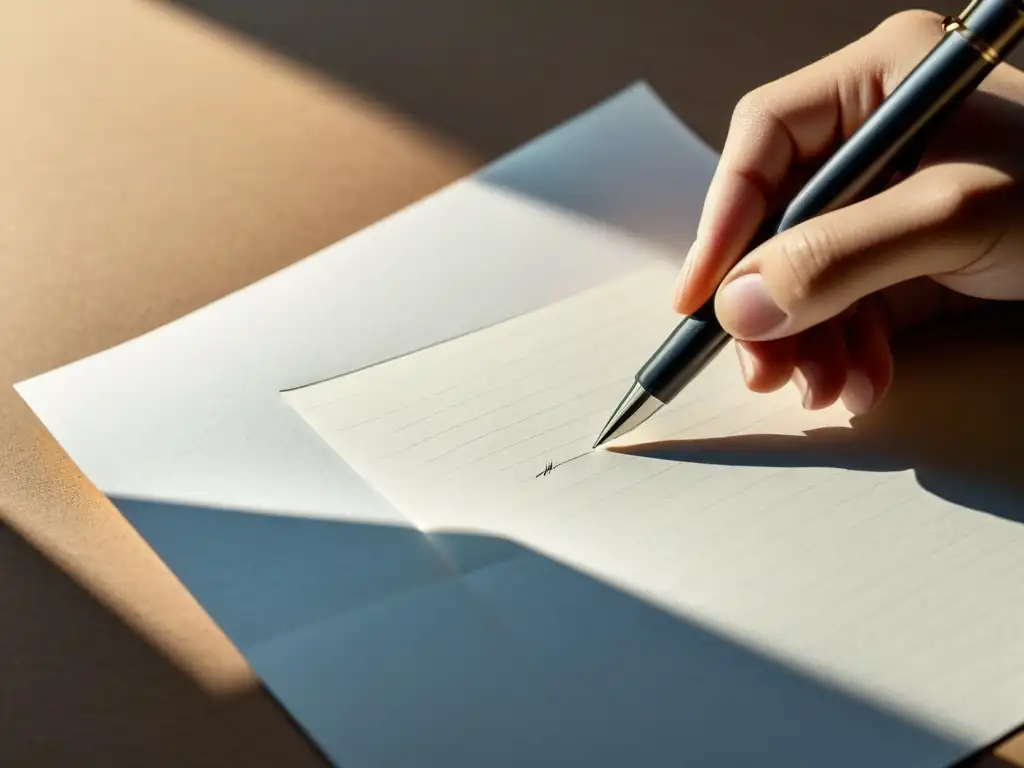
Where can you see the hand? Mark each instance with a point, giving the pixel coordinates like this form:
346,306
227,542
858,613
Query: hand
819,303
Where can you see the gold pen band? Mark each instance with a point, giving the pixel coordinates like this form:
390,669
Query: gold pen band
954,24
990,50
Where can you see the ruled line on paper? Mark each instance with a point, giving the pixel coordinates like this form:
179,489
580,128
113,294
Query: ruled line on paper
538,358
484,420
538,347
489,430
800,559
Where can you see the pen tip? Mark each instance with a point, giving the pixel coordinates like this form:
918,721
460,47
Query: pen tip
635,408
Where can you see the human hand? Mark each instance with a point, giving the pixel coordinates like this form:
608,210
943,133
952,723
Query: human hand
819,303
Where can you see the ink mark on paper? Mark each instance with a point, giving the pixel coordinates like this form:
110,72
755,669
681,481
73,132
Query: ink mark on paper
551,467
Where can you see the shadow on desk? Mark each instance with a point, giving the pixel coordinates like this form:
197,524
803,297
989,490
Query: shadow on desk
396,648
80,687
954,415
491,75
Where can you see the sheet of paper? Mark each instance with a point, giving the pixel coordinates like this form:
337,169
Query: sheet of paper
847,572
391,647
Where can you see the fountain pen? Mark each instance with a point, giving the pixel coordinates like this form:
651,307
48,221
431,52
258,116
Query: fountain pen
891,140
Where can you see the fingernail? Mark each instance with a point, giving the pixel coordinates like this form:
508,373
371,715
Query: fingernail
749,310
807,378
684,276
746,362
858,394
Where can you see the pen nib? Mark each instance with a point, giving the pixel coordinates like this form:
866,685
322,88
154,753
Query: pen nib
636,407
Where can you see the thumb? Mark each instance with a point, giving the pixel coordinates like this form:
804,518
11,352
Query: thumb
818,269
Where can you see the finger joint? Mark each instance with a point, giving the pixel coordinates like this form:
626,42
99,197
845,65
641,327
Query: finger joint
804,259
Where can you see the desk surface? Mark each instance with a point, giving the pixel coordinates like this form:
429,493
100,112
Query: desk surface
160,155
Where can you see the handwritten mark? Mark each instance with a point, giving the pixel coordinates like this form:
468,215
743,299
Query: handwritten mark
551,467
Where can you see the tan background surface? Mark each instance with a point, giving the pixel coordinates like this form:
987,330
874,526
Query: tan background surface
155,156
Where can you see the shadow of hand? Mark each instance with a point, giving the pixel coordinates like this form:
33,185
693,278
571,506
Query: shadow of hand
954,416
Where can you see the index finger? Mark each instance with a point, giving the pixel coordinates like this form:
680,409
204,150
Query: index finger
787,122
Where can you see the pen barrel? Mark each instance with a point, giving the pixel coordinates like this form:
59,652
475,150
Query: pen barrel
892,139
893,136
994,26
684,354
693,343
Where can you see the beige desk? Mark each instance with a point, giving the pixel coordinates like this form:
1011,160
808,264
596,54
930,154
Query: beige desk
154,158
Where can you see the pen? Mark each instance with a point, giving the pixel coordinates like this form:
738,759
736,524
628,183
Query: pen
892,139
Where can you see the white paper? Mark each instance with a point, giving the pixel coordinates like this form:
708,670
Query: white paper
190,413
860,578
391,647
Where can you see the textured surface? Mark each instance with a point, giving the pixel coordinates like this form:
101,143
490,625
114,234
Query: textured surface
149,166
155,159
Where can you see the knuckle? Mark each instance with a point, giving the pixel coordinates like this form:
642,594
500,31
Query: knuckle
750,106
893,43
947,203
803,260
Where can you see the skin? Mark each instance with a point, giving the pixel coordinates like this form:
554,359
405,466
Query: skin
819,304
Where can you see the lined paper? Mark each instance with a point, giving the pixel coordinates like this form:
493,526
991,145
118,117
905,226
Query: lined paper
855,575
